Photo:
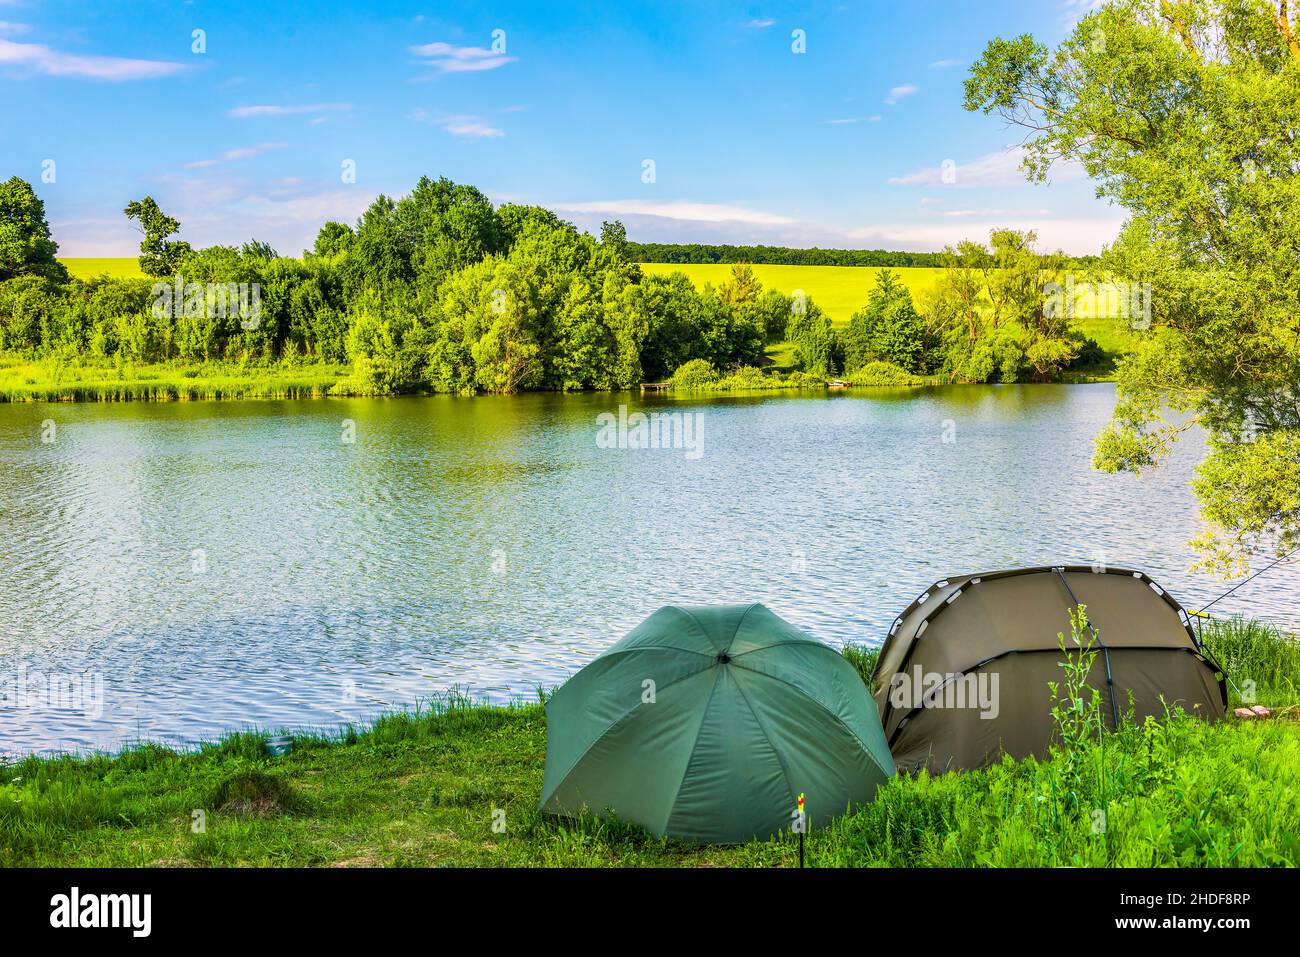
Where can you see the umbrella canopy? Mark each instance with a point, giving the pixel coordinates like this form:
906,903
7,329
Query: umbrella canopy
707,724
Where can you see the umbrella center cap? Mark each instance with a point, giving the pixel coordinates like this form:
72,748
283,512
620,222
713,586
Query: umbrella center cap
723,658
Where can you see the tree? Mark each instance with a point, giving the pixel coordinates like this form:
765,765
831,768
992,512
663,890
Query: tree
26,248
887,329
159,256
332,240
1185,114
814,338
614,237
742,288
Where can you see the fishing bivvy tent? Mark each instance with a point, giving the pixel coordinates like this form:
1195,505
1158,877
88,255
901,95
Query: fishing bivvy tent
706,724
963,674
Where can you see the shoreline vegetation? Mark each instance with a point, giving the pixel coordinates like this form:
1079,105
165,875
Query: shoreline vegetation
441,291
456,783
161,382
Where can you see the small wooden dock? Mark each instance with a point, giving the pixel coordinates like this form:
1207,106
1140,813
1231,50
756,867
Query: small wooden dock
656,386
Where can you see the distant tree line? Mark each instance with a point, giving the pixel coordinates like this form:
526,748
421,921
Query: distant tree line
705,253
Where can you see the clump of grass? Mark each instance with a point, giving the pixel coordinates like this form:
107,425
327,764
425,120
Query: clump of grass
862,658
1262,663
253,793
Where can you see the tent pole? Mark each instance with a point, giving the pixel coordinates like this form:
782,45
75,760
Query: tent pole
1105,654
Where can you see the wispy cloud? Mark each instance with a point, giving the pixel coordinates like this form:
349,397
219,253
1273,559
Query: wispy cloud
243,112
237,153
461,124
989,213
679,210
8,26
851,120
994,169
760,23
945,64
899,92
449,58
37,58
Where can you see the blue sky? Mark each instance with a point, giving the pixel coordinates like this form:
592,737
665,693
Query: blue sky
557,104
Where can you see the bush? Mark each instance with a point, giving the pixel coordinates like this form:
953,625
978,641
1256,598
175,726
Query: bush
882,373
696,374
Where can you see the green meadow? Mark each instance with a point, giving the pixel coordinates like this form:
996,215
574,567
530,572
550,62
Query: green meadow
455,783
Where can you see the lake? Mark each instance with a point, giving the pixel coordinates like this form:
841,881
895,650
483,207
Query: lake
214,566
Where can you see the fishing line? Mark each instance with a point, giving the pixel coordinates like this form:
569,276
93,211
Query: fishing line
1250,579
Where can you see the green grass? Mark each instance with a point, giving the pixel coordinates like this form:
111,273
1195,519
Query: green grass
48,380
115,268
424,789
1262,663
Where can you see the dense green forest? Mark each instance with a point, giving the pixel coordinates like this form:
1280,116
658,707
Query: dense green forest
441,290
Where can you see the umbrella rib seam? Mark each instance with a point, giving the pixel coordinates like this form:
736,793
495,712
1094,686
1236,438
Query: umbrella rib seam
785,771
699,733
621,719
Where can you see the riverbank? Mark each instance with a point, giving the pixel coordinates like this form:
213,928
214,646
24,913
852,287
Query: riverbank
50,381
426,788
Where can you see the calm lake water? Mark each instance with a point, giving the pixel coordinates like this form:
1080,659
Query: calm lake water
225,565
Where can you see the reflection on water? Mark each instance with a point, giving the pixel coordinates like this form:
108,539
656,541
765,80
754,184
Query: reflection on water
221,565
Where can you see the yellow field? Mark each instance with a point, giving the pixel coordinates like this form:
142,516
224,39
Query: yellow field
839,290
127,268
842,290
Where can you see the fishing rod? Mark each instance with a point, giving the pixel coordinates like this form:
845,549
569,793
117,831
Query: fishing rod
1201,612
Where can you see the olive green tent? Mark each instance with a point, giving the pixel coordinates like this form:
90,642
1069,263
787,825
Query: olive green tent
963,675
707,724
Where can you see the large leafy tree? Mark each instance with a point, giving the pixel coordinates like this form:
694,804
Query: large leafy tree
26,248
159,254
1188,115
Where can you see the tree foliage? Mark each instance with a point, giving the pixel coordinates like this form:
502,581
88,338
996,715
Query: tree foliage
1185,114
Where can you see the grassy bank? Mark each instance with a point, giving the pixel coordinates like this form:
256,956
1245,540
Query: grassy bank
48,380
425,788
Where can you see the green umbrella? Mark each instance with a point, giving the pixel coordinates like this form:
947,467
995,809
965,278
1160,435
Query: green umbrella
707,723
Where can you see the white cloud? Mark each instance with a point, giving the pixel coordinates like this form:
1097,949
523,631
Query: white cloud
944,64
449,58
760,23
851,120
458,124
243,112
237,153
1077,237
994,169
35,57
682,210
898,92
8,26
